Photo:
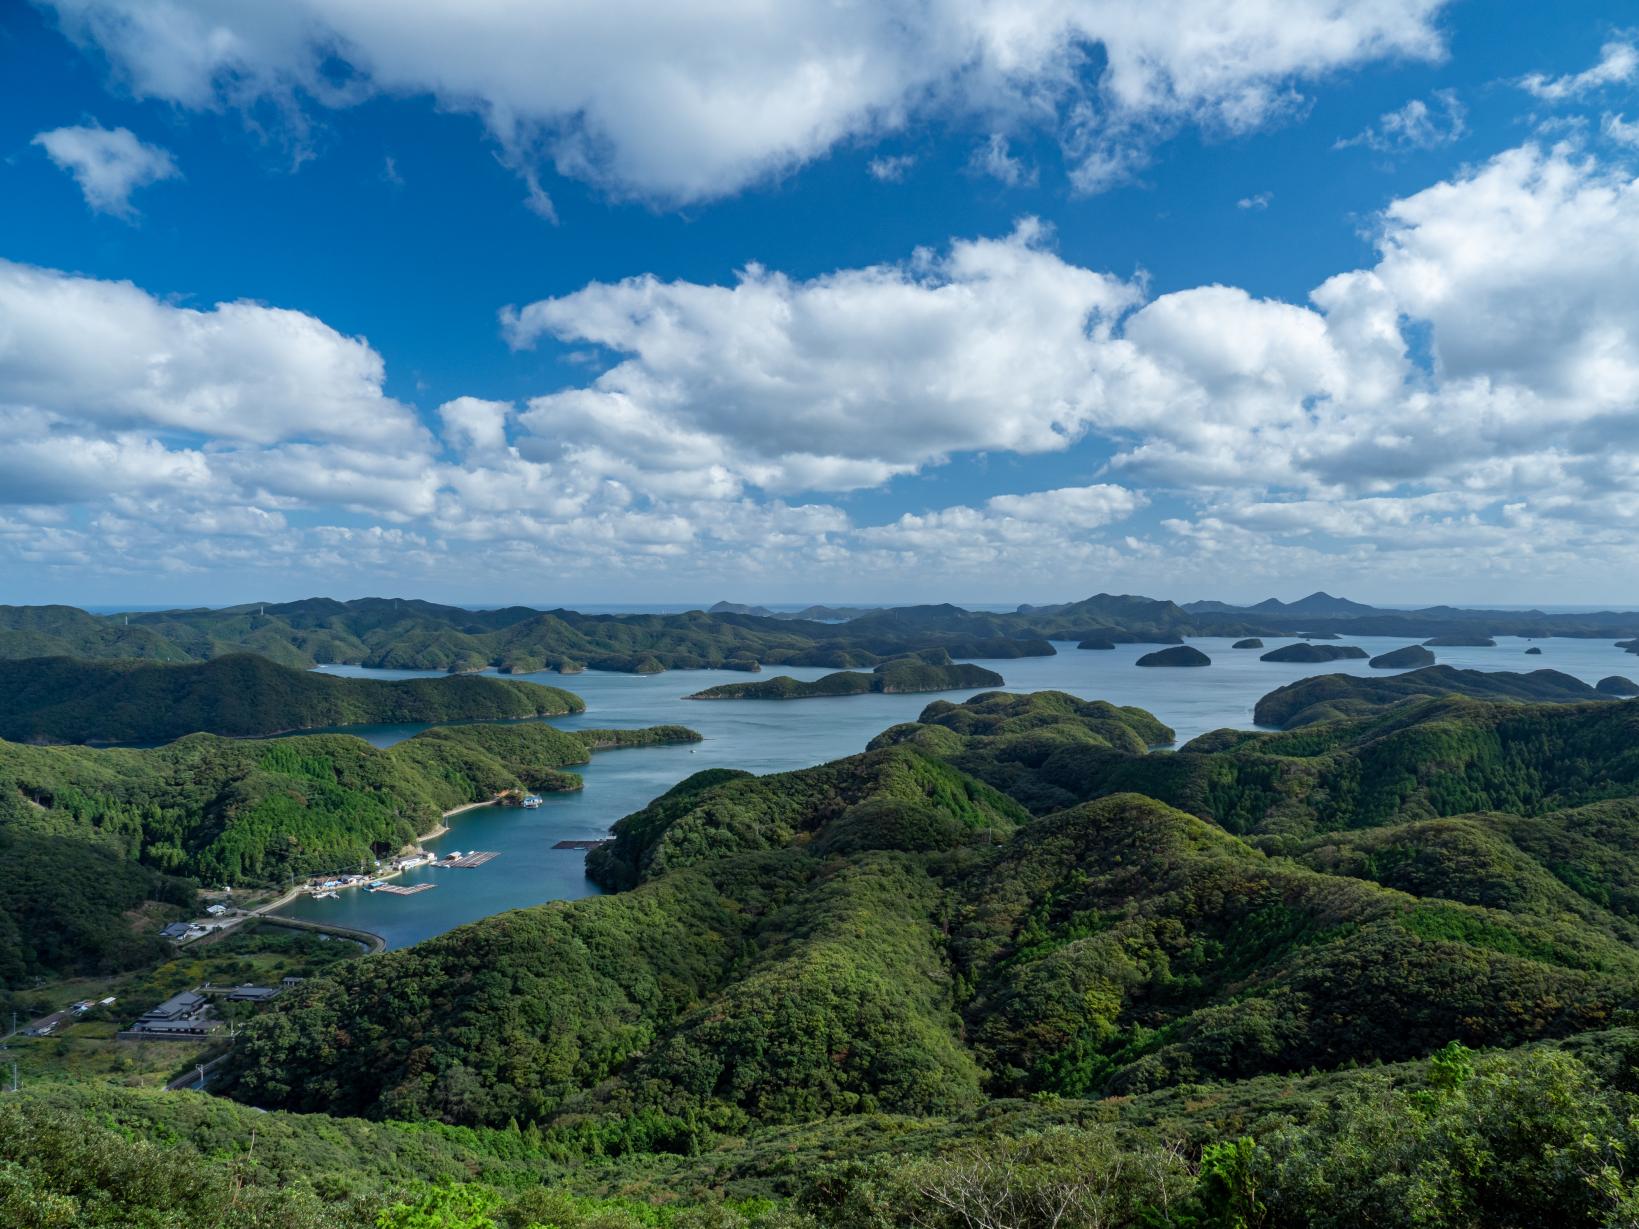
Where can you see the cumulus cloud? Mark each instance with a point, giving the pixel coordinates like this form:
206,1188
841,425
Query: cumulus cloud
109,353
687,102
1618,65
108,164
838,382
1415,126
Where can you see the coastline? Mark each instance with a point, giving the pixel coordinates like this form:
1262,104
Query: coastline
442,827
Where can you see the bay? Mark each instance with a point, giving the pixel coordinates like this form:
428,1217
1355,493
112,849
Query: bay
763,736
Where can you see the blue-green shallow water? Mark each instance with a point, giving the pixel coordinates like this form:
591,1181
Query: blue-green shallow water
774,736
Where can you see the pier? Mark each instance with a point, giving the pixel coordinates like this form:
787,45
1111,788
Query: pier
583,844
476,858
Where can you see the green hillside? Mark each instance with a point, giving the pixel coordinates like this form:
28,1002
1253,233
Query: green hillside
894,930
68,700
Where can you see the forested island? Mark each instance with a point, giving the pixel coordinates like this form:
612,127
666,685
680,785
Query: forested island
1328,697
1411,657
1308,654
1182,655
69,700
932,671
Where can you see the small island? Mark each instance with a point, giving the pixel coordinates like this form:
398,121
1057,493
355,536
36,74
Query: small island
906,674
1412,657
1096,642
1533,651
1617,685
1251,642
1310,653
1182,655
1461,642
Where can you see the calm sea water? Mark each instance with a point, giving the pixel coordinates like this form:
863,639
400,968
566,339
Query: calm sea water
765,736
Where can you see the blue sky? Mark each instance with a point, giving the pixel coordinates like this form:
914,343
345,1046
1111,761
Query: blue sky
998,301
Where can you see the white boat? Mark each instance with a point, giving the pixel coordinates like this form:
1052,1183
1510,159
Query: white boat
531,801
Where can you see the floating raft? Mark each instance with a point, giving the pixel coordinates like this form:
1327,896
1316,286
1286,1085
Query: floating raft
476,858
582,844
396,890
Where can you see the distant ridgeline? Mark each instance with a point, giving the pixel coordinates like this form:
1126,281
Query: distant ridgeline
1012,897
90,833
391,632
72,700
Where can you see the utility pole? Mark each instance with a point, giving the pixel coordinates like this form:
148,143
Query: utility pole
14,1075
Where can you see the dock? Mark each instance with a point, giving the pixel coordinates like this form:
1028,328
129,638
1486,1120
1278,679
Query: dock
394,889
583,844
476,858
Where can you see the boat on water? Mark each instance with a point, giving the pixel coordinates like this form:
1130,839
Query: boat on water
327,895
531,801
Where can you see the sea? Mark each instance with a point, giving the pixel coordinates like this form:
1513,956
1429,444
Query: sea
763,736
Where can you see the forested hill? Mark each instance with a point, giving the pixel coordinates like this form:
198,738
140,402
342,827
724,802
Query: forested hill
70,700
91,833
1008,898
1327,697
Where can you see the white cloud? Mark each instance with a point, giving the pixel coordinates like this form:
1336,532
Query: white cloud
1257,201
1618,65
108,353
1415,126
890,168
838,382
687,102
108,164
1620,130
995,159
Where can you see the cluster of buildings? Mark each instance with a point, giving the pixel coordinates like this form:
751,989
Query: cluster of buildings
192,1013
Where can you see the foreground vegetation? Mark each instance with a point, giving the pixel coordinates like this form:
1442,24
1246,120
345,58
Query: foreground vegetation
67,700
1536,1136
